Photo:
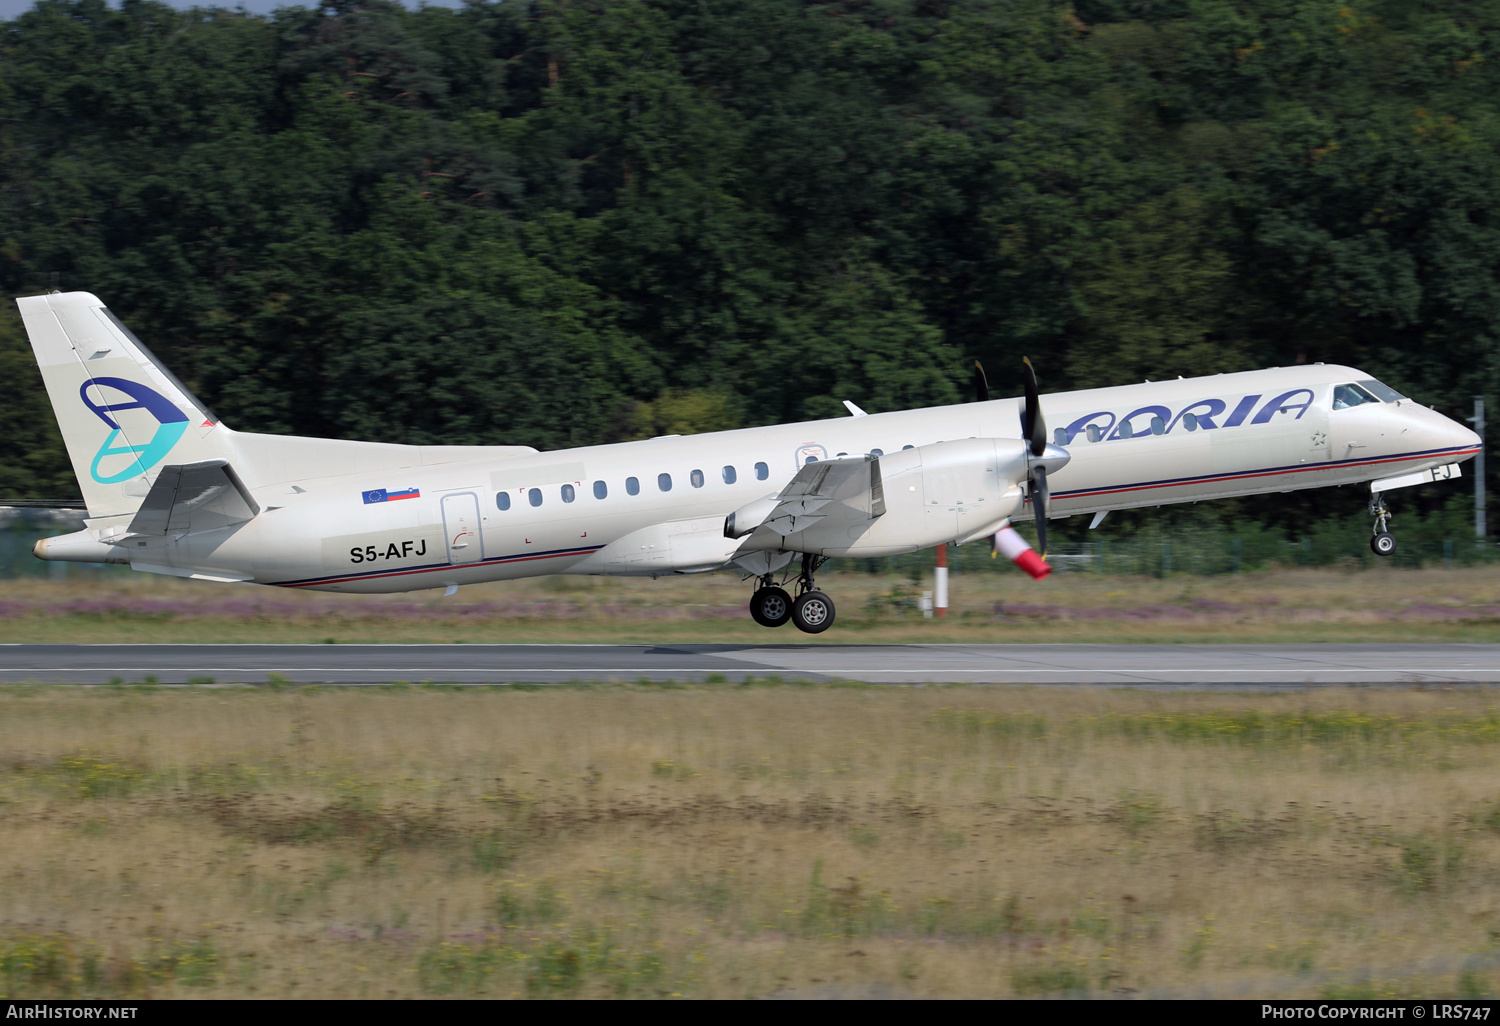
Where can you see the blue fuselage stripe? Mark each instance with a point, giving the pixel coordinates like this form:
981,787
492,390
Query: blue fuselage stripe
369,575
1296,468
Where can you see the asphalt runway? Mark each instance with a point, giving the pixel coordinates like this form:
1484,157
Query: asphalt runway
1257,666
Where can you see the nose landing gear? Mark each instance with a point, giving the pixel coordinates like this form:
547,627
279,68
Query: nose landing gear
812,611
1383,543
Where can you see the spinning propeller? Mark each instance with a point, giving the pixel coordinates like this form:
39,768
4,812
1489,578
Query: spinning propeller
1034,430
1041,456
981,384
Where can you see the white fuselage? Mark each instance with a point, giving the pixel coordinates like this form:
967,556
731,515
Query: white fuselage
1231,434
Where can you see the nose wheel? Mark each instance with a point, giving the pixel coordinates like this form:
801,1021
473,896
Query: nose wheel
812,611
1383,542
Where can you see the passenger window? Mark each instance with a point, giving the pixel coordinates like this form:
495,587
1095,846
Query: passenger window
568,493
696,479
1126,431
664,482
810,459
534,496
877,452
1158,426
502,500
762,472
729,475
632,486
1060,436
1190,421
1095,432
841,454
601,489
906,447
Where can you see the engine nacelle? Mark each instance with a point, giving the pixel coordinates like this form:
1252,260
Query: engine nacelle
943,492
677,546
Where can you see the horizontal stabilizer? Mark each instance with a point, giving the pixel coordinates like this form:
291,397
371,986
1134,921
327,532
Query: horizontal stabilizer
194,497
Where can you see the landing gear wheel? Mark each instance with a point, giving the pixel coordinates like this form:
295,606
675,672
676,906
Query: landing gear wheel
1384,543
812,612
771,607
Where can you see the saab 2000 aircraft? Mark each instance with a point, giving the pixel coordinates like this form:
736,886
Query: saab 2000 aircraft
171,490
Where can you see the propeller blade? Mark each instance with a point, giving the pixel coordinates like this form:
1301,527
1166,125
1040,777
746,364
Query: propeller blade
1039,499
1036,427
981,384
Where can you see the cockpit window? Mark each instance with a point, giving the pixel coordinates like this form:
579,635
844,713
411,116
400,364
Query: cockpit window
1345,396
1385,393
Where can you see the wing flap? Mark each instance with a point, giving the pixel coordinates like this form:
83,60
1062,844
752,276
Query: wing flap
847,489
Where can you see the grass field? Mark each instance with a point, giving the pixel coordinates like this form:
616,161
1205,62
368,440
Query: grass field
1461,604
719,841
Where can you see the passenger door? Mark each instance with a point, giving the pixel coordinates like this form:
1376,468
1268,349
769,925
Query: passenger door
461,525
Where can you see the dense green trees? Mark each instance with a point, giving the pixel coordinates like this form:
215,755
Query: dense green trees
569,221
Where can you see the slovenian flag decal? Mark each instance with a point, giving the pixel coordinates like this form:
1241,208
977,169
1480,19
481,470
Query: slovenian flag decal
386,495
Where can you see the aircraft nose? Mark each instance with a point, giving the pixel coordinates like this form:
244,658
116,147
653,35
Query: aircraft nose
1458,436
1462,436
1438,433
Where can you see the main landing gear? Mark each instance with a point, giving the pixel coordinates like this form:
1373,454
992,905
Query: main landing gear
812,611
770,606
1383,543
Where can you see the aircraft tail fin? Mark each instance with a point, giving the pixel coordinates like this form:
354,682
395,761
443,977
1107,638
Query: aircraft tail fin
121,412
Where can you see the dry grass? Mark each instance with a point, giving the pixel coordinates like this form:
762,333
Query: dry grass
729,842
1461,604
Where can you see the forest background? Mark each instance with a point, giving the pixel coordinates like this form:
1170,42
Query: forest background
565,222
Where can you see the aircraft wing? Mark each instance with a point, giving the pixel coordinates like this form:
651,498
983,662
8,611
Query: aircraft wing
193,497
847,489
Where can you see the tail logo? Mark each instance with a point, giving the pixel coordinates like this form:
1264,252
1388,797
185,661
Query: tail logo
171,423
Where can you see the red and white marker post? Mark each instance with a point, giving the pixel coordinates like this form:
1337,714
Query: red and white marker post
940,582
1011,545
